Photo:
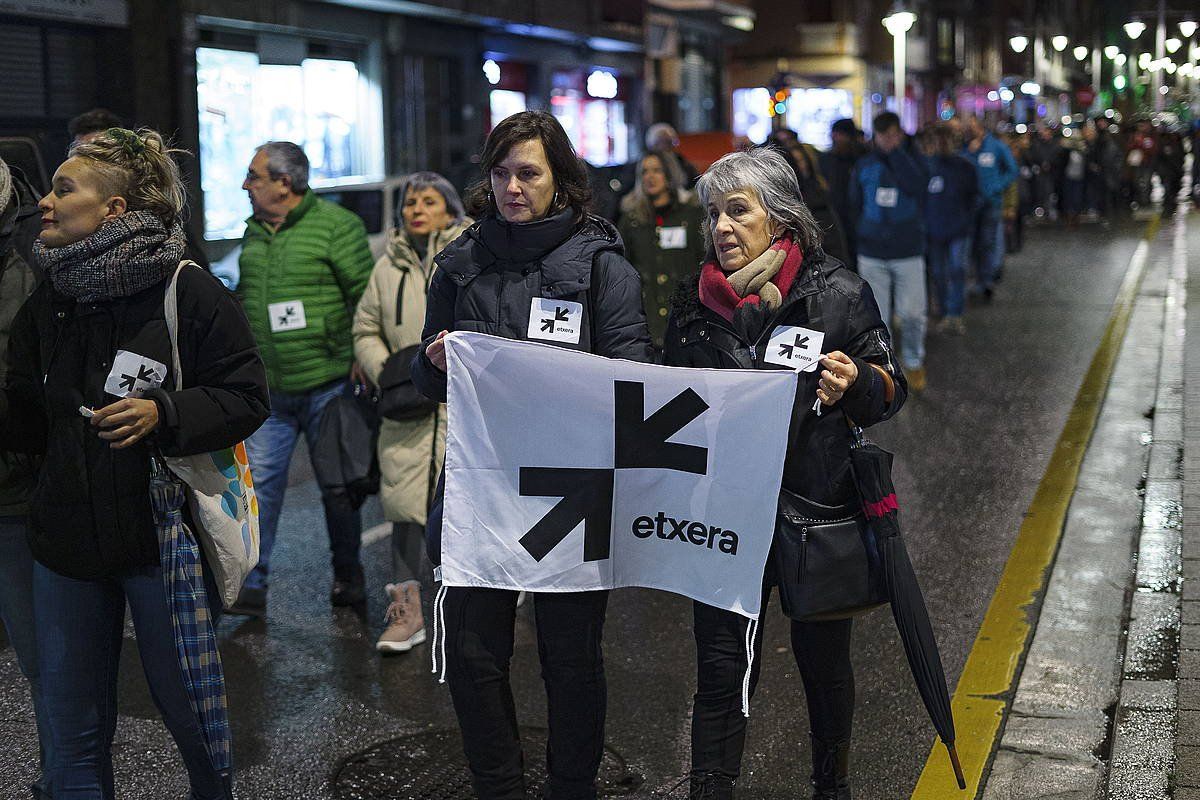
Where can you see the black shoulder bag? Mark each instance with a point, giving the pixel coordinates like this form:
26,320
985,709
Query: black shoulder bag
826,558
399,399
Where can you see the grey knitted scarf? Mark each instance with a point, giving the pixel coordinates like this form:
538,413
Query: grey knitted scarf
125,255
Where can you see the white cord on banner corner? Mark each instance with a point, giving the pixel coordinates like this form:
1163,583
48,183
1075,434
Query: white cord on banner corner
439,630
751,630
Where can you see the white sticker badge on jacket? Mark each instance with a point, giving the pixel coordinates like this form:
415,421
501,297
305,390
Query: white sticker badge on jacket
987,159
287,316
672,238
936,184
795,347
555,320
886,196
132,375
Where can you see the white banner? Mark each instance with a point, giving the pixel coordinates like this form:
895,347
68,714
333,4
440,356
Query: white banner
572,472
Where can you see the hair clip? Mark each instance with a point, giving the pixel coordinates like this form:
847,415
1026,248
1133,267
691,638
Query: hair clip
130,142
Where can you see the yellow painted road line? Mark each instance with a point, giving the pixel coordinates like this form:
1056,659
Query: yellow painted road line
989,678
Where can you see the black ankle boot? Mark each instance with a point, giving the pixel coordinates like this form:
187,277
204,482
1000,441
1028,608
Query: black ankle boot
711,786
831,770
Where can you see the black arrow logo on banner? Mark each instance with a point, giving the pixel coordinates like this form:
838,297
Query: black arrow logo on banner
786,350
560,315
641,442
587,494
586,497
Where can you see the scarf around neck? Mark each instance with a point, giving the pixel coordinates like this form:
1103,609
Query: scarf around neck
764,281
125,255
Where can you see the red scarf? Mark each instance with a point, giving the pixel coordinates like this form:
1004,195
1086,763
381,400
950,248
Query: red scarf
717,294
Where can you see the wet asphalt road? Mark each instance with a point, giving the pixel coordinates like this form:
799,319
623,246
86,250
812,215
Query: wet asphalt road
307,689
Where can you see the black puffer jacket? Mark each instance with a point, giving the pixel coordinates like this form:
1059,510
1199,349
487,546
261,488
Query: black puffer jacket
825,297
487,279
90,513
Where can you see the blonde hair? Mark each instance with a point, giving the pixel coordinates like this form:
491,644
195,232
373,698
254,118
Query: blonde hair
138,166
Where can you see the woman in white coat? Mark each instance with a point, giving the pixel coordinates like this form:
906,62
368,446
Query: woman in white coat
388,322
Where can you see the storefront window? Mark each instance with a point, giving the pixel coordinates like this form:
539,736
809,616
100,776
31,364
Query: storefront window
244,103
809,112
590,105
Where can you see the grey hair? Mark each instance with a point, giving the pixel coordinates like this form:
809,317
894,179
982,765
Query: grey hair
661,135
766,172
431,180
286,158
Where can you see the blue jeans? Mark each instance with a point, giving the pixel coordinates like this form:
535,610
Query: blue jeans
16,609
270,451
948,264
79,627
988,246
899,283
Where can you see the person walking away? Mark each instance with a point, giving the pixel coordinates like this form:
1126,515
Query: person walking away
1074,181
18,473
996,169
89,390
304,265
1171,169
1045,155
888,190
759,233
661,227
837,165
534,240
1141,156
387,324
950,217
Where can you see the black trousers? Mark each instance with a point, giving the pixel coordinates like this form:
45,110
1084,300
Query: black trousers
822,652
479,647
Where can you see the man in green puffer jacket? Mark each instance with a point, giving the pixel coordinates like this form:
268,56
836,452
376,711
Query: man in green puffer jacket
304,264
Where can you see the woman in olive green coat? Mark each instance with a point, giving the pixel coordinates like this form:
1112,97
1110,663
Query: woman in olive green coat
660,225
389,318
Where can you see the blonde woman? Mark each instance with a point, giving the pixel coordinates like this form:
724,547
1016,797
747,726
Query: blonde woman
89,390
387,329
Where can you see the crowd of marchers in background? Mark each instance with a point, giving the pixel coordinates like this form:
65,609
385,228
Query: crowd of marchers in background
925,221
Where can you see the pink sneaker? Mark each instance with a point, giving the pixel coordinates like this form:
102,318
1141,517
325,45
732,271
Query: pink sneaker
405,624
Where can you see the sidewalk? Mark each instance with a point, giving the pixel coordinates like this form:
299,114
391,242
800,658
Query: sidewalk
1107,703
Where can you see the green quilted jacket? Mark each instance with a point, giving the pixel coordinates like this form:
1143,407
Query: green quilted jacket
299,285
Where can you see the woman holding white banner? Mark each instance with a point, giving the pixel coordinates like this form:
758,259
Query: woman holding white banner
768,297
90,390
536,267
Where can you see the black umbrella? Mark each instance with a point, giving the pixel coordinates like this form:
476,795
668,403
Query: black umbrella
872,466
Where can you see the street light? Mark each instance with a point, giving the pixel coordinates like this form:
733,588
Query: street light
898,24
1120,60
1112,51
1187,28
1134,28
1080,53
1059,43
1172,44
1144,61
1018,43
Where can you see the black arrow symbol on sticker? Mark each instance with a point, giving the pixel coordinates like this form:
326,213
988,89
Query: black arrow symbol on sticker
786,350
128,381
641,442
560,315
586,497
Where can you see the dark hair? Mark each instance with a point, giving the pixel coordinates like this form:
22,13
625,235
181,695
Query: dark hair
98,119
885,122
846,127
570,176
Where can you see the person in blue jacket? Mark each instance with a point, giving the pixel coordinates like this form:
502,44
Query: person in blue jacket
888,191
996,168
950,212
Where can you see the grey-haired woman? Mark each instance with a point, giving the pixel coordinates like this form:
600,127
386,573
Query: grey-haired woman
765,270
389,319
